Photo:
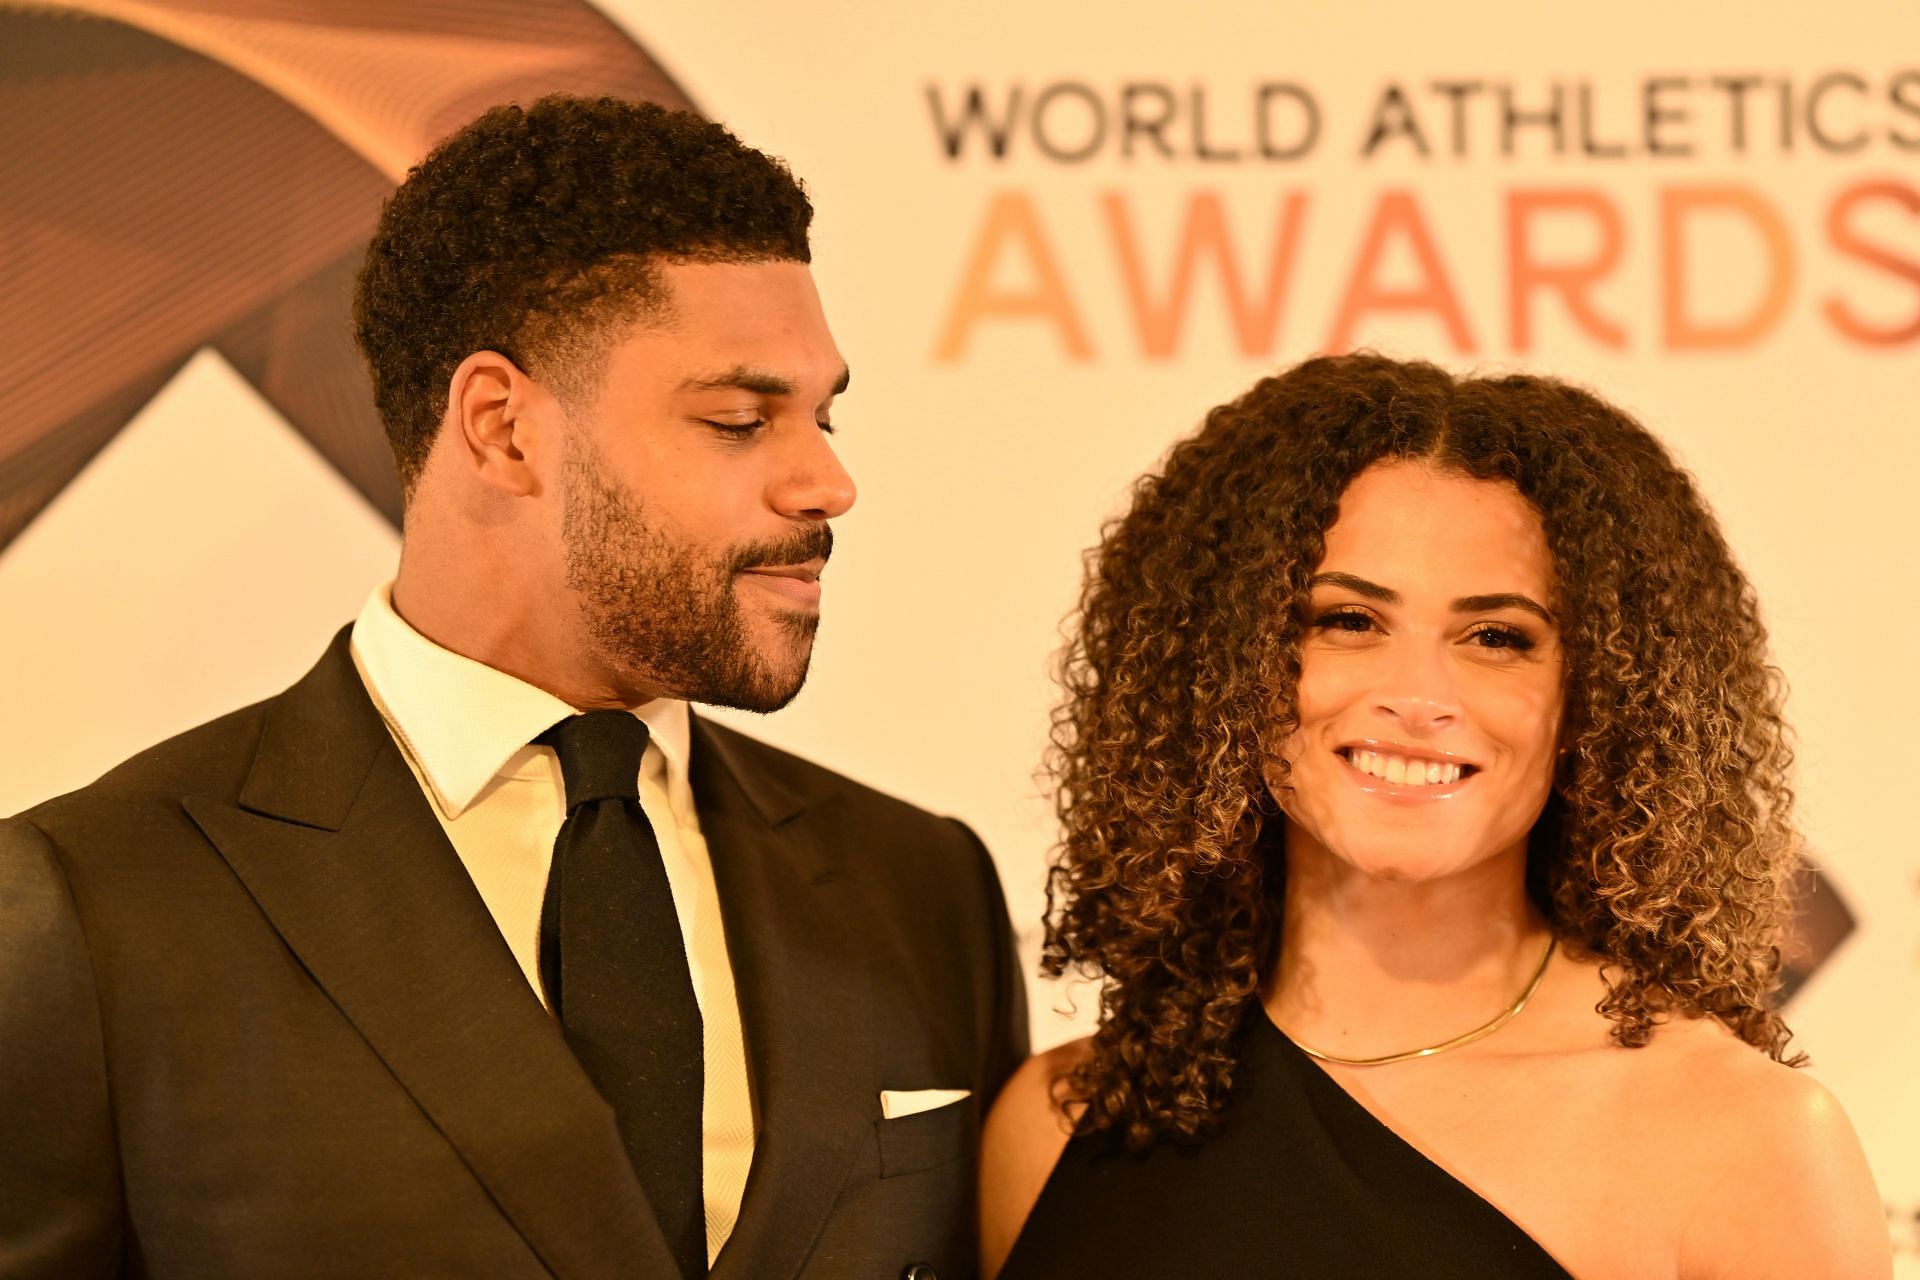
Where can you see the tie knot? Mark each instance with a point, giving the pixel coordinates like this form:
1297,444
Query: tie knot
599,755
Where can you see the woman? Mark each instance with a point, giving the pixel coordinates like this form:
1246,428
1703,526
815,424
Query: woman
1427,818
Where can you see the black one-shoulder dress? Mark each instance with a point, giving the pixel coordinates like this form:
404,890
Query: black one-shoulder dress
1300,1181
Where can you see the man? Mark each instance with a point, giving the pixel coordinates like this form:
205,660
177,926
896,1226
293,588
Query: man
473,954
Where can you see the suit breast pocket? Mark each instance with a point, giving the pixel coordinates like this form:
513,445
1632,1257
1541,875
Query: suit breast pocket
925,1140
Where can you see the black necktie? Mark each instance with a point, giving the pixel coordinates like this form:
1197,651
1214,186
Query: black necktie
615,968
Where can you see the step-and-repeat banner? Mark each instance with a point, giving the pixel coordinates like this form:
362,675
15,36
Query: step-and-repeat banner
1049,237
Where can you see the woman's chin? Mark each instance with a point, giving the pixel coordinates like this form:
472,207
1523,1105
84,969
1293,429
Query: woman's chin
1402,865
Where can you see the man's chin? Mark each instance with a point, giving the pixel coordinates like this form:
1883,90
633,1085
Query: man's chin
761,700
782,644
771,685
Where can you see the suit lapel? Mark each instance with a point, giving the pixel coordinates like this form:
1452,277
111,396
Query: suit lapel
336,843
795,940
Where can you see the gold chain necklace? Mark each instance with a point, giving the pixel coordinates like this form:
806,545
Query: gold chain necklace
1500,1020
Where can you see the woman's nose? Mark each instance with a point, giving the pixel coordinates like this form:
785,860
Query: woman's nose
1417,686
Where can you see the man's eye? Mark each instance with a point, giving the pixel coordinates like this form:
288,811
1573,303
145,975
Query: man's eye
739,430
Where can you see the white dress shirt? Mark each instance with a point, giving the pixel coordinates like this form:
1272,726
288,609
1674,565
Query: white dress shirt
466,731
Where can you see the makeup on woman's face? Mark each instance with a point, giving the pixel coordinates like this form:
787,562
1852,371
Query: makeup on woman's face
1431,673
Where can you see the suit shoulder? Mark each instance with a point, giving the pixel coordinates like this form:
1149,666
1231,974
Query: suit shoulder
815,780
208,759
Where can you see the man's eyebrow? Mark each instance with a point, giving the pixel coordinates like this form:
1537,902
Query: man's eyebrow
1465,604
742,378
758,381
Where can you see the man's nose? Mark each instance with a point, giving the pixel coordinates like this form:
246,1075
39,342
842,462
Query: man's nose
813,485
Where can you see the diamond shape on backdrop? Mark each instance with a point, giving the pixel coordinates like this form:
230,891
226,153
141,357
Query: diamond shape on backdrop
178,177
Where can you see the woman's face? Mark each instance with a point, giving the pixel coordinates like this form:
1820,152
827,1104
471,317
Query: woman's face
1430,678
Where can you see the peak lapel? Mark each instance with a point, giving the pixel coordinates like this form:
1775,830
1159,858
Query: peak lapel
797,946
337,845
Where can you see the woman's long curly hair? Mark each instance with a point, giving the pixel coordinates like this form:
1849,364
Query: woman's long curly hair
1666,846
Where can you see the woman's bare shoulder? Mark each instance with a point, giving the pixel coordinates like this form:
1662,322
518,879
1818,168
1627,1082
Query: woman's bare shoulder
1776,1183
1026,1131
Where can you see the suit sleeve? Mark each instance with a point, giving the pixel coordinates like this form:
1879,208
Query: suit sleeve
60,1205
1006,1040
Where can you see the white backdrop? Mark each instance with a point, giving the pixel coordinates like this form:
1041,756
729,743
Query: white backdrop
1009,383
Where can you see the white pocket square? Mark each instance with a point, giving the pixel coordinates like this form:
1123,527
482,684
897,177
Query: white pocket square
895,1103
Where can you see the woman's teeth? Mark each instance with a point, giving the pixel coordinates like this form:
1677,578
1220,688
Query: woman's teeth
1403,771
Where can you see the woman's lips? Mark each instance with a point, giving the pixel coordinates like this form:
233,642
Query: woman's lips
1405,775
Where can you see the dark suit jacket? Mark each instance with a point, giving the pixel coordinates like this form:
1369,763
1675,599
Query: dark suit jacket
256,1021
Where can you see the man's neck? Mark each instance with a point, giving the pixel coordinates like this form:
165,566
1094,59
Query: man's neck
500,627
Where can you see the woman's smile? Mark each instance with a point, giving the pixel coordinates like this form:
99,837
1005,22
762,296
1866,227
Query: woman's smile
1406,774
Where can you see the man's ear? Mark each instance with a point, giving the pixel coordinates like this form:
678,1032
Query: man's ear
497,417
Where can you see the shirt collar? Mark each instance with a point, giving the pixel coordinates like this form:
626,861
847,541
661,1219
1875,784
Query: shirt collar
464,723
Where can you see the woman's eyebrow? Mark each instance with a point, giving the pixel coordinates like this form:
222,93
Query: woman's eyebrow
1359,586
1503,600
1465,604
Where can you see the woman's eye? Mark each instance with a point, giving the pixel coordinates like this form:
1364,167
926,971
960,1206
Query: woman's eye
1502,638
1350,620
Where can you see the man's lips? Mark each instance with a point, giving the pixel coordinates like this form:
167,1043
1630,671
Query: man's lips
798,583
805,571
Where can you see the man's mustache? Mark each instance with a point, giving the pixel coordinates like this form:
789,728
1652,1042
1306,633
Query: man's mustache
815,542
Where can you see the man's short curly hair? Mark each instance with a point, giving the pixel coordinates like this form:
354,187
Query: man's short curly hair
1664,850
535,231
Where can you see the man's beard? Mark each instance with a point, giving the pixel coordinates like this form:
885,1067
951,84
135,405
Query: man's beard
655,609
